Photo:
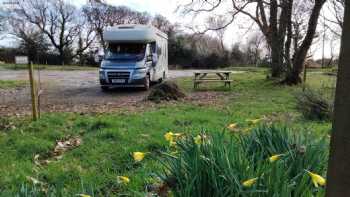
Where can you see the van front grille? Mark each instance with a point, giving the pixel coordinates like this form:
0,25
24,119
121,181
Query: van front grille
118,75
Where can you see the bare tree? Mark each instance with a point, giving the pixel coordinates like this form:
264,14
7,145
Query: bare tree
336,8
86,36
32,40
274,19
273,26
2,21
254,48
162,23
339,162
300,54
58,20
216,23
101,15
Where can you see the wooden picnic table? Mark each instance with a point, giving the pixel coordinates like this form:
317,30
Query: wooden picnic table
212,76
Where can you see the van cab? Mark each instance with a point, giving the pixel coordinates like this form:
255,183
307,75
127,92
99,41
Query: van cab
135,56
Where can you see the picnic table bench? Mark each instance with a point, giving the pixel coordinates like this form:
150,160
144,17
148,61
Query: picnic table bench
212,76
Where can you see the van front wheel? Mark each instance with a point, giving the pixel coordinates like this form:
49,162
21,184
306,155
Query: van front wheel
146,83
104,88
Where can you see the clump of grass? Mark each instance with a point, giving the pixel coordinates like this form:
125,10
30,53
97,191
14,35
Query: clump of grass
314,105
220,165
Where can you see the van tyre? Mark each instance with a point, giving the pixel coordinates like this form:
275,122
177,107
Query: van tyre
104,88
164,76
146,83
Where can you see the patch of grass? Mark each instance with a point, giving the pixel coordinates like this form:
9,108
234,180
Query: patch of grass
108,140
47,67
7,84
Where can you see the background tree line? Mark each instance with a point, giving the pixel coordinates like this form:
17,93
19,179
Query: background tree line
56,32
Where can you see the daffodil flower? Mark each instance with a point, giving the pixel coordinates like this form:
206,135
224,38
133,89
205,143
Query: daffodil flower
198,139
123,179
138,156
83,195
177,135
232,126
169,136
250,182
254,121
274,158
317,179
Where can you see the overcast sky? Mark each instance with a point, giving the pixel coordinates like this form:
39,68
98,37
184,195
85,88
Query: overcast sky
235,33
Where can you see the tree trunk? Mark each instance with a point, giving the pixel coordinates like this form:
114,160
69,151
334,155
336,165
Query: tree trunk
277,58
62,55
275,42
293,77
339,161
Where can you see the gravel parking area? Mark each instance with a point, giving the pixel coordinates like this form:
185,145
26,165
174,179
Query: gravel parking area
70,91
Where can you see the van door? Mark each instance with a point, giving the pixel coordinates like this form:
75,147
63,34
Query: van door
149,64
156,61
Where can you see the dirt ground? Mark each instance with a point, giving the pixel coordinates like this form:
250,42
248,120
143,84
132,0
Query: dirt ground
78,91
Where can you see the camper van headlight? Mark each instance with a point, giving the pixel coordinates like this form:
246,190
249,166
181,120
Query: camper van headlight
140,70
139,73
102,74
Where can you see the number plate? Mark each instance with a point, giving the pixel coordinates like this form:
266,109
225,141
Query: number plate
118,80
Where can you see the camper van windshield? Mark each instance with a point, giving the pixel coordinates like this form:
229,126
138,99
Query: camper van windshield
126,51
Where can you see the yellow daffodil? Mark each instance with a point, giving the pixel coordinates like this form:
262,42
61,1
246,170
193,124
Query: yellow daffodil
232,126
198,139
177,135
317,179
169,136
123,179
254,121
138,156
83,195
274,158
249,182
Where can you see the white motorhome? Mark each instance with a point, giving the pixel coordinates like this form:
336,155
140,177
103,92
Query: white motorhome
135,56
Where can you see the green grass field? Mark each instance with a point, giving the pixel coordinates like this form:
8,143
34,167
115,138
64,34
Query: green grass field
108,140
7,84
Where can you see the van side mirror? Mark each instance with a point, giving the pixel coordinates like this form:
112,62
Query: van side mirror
98,58
149,58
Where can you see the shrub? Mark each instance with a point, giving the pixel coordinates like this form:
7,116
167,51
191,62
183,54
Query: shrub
220,165
314,105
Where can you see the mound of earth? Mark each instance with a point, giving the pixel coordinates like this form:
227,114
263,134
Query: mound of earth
166,91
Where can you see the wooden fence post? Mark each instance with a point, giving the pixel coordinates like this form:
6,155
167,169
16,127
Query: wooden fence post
33,92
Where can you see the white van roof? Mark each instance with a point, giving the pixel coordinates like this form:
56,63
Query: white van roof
132,33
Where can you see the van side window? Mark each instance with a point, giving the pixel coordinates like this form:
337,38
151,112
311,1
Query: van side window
159,50
153,47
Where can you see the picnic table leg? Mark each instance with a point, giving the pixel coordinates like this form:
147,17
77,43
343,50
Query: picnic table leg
228,78
195,83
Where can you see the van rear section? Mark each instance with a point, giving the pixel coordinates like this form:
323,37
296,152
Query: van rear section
135,56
